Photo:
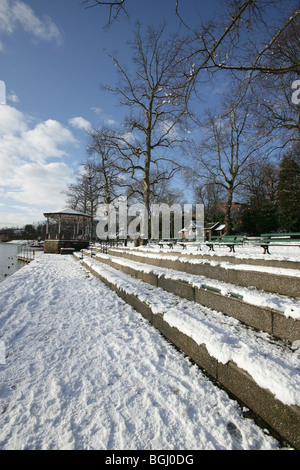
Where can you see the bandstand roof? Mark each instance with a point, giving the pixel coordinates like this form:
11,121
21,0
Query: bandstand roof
67,214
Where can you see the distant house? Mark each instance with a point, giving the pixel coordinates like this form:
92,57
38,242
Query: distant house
213,229
19,231
193,230
209,230
236,207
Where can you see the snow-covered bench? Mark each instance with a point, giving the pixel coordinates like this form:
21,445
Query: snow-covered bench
275,239
228,240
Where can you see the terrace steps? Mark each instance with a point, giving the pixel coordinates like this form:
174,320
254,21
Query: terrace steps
269,280
147,282
213,256
264,318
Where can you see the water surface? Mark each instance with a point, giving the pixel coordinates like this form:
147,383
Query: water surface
9,263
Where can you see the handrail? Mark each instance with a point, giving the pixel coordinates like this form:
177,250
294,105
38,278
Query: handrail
26,253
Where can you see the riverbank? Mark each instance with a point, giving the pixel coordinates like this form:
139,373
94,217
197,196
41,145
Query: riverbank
84,370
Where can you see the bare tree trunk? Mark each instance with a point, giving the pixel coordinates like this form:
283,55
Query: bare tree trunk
228,221
146,195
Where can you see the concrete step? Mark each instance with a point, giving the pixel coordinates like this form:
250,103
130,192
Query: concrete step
205,292
261,373
269,279
263,261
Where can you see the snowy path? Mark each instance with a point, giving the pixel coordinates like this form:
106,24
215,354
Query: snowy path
85,371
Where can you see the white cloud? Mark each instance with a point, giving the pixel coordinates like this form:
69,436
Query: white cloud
39,143
16,13
111,122
45,141
2,92
12,121
20,216
105,119
41,185
80,123
32,167
96,110
13,97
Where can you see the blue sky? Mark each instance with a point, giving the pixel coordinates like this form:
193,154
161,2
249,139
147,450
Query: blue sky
52,61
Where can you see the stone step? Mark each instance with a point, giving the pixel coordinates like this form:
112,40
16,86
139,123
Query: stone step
280,281
264,318
270,262
263,374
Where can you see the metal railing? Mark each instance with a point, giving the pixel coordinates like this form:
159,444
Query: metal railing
26,253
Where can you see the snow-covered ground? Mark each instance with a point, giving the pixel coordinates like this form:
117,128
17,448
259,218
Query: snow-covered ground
20,242
83,370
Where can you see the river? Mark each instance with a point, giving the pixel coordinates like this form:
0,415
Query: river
9,263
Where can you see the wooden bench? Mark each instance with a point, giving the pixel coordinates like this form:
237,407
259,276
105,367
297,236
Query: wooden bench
170,242
228,240
192,242
275,239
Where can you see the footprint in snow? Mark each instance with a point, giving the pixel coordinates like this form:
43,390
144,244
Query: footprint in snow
234,432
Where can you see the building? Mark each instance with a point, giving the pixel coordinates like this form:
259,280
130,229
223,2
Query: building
62,241
192,230
213,229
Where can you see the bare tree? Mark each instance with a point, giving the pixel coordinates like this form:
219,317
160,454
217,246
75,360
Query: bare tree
230,142
254,40
161,190
83,195
105,163
115,7
210,195
154,96
275,109
260,191
289,190
255,26
239,39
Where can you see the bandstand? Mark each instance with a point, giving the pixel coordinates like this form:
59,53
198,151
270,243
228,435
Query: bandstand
67,230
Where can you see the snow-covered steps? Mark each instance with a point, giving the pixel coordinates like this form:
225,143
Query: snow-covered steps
259,371
242,257
271,313
276,280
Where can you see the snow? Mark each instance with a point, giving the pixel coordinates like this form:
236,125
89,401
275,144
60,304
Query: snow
224,264
84,370
66,211
289,306
282,253
20,242
273,366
